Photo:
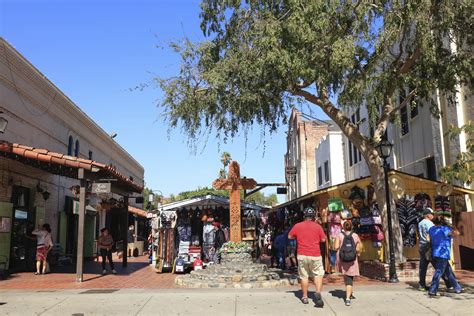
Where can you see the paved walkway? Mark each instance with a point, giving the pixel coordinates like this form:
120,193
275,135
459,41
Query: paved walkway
371,300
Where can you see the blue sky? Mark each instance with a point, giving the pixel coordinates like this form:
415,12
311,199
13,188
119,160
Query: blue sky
95,51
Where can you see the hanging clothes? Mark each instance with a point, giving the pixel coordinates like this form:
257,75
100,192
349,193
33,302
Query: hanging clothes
408,217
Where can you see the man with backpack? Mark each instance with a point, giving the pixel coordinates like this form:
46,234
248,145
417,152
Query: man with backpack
309,235
349,247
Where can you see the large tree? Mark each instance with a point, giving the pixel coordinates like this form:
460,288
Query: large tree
262,56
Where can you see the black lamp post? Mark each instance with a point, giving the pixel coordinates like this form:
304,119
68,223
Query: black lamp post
384,148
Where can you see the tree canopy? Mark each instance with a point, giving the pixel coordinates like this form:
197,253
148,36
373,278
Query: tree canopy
260,55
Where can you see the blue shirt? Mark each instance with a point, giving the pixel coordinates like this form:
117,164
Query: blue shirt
423,229
440,241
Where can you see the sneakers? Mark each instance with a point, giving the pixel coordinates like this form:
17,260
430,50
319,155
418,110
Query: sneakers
304,300
104,272
348,302
113,271
453,290
319,300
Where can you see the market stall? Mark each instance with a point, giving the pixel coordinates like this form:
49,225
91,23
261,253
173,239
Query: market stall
184,230
355,201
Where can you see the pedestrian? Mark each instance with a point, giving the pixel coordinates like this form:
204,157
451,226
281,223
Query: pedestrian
309,235
105,247
440,238
291,252
219,240
43,246
279,246
348,248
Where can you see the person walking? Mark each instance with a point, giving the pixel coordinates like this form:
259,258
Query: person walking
425,248
348,248
440,237
105,247
219,240
309,235
43,246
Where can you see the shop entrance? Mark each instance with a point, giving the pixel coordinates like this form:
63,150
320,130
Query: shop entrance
23,243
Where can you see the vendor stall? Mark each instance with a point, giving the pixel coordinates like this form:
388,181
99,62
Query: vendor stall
190,234
355,201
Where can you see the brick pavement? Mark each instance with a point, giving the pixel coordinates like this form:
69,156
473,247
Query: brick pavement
139,275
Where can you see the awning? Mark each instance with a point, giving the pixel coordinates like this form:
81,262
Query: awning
414,184
64,165
137,211
206,201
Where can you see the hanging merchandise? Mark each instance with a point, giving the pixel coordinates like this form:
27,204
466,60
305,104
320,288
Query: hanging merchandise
335,205
408,217
370,220
208,240
345,214
444,189
422,201
334,218
442,206
357,193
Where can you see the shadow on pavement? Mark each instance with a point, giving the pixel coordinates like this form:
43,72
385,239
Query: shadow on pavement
338,293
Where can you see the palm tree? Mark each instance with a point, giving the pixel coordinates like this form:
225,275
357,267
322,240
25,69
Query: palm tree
225,159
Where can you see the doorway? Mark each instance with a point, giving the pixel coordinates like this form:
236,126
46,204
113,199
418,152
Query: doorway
23,243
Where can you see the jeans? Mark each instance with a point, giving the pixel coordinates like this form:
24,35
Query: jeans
281,260
424,267
332,257
443,267
106,254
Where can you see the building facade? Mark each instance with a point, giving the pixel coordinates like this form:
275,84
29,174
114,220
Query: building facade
330,159
40,116
303,135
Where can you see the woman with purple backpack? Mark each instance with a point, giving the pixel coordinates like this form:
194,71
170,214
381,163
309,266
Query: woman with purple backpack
348,249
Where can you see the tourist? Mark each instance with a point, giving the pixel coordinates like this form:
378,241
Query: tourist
440,237
44,245
291,251
423,230
279,246
219,240
348,247
309,235
105,247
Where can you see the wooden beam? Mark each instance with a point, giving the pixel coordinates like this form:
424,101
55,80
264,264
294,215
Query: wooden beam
125,231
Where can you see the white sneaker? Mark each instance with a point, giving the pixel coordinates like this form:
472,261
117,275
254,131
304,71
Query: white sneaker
104,272
113,271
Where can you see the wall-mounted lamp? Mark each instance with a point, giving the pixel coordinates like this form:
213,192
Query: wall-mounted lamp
113,135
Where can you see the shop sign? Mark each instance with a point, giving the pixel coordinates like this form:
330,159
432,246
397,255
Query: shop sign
291,170
99,188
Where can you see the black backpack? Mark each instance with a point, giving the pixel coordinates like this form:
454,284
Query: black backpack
348,252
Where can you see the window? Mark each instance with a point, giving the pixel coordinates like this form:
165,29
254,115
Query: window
69,146
90,155
431,168
404,120
76,150
413,104
320,176
354,154
326,171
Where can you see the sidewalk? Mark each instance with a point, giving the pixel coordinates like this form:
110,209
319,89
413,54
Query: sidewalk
371,300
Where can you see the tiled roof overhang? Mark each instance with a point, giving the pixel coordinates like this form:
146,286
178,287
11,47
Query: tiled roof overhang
64,165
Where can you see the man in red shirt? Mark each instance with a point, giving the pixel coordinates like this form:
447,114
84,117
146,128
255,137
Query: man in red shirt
309,235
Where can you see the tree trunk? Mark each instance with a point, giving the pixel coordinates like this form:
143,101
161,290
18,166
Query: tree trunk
378,179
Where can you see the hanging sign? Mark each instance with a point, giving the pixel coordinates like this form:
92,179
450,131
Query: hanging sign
100,188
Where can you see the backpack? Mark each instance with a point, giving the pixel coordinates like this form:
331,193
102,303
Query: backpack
348,252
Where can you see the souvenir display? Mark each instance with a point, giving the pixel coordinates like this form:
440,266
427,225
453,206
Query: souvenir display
335,205
408,217
442,206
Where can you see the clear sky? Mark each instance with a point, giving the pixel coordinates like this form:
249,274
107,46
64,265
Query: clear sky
95,51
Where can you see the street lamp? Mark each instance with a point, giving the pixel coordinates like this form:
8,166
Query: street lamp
3,123
384,148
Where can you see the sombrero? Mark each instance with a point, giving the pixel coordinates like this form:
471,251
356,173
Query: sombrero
444,189
397,186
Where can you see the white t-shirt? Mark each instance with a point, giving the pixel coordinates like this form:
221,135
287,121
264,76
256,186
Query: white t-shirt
43,238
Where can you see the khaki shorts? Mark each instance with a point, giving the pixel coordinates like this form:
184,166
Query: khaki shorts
309,267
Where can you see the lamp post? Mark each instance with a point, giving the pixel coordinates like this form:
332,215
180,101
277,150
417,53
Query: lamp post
384,148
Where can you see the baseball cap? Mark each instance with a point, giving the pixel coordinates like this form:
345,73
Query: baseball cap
427,211
309,212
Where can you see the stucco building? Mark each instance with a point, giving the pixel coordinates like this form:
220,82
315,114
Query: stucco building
43,123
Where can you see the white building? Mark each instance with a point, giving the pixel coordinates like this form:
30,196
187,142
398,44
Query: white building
330,159
47,138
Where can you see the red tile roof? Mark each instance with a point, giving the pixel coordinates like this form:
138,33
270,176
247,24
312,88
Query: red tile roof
137,211
47,157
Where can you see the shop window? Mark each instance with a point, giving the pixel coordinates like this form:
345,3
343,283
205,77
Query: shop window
69,146
76,150
320,176
326,171
413,104
351,162
431,168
